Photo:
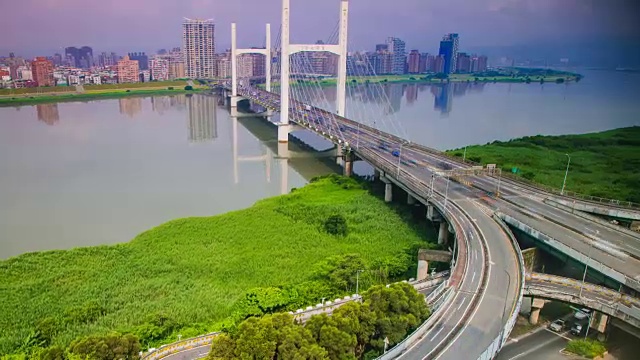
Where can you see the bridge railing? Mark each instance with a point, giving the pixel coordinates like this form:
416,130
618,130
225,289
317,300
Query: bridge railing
630,305
499,342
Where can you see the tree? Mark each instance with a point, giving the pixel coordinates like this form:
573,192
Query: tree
356,319
340,270
52,353
397,310
336,225
298,344
222,348
109,347
188,88
256,339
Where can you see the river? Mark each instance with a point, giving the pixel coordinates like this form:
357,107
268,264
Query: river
100,172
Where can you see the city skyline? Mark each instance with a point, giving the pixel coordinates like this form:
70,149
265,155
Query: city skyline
419,23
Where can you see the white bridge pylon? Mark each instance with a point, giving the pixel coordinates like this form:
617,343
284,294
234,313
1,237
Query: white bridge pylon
235,52
289,49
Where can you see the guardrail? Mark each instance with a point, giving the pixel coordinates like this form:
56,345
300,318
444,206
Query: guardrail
176,347
419,332
499,342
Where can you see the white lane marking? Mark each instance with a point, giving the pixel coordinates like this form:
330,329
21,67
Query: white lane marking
541,345
488,275
473,277
563,335
438,332
459,306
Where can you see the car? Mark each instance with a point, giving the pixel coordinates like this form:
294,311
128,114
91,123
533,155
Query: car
577,329
395,153
582,314
557,325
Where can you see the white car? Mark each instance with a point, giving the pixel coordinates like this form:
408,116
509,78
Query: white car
582,314
557,325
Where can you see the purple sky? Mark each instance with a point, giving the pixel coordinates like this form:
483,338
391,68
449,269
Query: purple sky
44,26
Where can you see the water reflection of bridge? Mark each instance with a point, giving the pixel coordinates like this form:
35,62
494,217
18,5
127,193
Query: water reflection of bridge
302,158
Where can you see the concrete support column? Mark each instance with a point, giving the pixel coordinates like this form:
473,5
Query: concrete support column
388,189
534,316
376,174
601,323
283,133
339,155
536,306
423,270
348,164
430,212
410,199
443,233
233,101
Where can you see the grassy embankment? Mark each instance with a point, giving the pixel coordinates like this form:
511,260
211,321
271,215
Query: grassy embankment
512,75
187,276
603,164
29,96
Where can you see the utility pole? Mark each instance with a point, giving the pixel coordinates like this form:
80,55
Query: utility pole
358,282
464,156
586,266
565,175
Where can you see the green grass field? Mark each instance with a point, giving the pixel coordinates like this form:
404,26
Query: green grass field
603,164
193,270
88,96
62,89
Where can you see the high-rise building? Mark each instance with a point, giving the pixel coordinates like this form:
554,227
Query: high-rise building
449,49
478,63
258,64
159,69
438,64
42,72
245,66
198,48
381,62
382,47
397,48
176,70
424,63
464,63
414,62
446,51
128,71
79,57
141,58
57,59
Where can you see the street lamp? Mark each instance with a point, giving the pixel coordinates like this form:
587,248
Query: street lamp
565,175
446,195
586,266
464,156
400,157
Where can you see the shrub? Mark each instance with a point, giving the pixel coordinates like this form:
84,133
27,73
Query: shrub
336,225
128,91
170,88
188,88
587,348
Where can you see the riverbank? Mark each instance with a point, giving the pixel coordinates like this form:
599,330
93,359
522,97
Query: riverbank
189,276
512,75
31,96
603,164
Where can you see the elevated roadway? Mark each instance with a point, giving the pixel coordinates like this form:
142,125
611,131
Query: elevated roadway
492,278
599,298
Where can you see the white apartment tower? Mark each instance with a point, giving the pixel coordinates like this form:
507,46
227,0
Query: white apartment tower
198,48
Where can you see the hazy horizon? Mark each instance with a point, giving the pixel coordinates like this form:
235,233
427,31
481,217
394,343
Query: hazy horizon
148,25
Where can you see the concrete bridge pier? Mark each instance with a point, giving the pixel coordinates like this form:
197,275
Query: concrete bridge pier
410,199
388,189
347,164
536,306
376,174
423,269
443,233
234,100
283,133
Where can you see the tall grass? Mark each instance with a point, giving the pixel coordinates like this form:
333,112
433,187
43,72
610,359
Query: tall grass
193,270
603,164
